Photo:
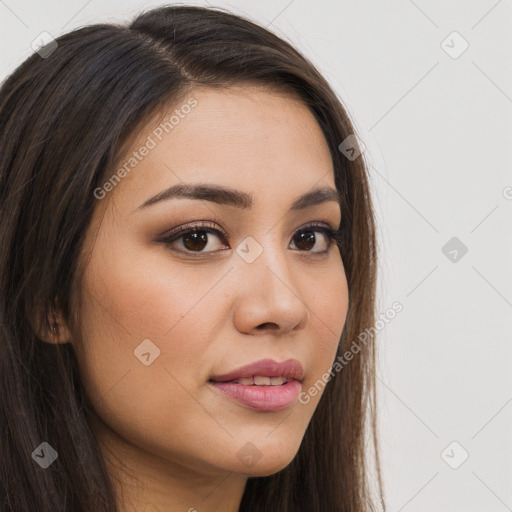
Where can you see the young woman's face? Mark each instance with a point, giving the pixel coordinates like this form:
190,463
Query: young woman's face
163,321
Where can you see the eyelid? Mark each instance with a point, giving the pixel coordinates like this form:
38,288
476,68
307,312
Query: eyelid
203,224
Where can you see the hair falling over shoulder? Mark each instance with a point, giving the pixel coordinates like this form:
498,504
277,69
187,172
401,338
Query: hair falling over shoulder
63,121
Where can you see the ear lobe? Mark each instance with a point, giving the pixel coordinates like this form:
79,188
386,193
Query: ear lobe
54,330
59,333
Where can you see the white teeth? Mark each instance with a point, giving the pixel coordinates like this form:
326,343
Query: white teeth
262,381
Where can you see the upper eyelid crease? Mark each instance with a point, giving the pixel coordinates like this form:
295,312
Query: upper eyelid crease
208,225
225,195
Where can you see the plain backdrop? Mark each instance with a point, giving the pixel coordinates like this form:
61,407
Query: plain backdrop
428,85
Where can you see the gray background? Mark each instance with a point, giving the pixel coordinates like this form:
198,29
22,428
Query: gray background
437,130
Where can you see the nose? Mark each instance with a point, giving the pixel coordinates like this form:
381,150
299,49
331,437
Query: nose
270,297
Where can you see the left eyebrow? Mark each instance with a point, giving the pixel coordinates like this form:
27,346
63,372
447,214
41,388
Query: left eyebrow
224,195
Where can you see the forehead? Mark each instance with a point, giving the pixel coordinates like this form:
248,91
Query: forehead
245,137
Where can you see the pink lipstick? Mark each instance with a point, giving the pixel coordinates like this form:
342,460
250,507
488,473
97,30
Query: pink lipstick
265,385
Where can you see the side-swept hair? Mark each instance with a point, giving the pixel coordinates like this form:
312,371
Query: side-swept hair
63,121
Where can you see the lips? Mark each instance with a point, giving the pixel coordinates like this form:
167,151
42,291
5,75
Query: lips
268,368
265,386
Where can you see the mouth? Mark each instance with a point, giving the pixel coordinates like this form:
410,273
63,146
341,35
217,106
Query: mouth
265,385
257,380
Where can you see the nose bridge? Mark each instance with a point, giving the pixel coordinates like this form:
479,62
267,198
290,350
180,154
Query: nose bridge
265,258
268,291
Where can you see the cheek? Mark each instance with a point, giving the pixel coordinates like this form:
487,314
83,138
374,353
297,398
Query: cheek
328,311
148,292
129,302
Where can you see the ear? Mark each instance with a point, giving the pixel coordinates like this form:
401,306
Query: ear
54,329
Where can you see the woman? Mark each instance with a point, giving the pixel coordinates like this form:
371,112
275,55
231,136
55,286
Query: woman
188,249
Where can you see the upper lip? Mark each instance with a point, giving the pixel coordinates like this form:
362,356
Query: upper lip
289,369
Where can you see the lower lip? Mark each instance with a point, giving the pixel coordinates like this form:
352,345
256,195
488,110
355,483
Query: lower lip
262,398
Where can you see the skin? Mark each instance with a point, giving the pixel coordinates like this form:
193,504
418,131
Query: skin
170,441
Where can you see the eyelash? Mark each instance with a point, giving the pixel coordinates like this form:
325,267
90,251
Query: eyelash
334,236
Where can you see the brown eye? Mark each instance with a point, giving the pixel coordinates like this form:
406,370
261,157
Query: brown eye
194,239
306,239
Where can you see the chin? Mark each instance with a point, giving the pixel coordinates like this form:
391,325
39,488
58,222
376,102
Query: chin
265,461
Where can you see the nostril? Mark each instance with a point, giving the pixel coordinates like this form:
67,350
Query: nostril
268,325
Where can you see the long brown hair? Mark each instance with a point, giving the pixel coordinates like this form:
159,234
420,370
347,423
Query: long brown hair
64,117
